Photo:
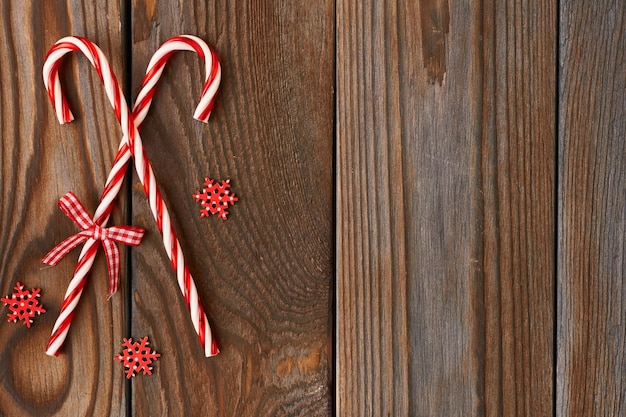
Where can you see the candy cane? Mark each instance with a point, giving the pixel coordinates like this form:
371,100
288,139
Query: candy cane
131,145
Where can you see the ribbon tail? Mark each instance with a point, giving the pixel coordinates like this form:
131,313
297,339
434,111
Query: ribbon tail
112,254
59,251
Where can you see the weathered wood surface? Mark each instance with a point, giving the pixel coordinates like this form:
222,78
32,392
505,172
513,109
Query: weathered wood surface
592,180
265,274
40,161
519,186
445,207
447,239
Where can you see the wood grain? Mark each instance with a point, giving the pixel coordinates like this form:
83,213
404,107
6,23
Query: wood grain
265,274
40,161
445,208
592,210
446,230
519,192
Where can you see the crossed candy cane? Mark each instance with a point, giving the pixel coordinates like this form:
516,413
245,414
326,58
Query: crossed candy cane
131,146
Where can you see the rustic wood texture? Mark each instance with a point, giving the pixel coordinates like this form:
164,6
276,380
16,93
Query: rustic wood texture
445,207
445,242
265,274
40,161
519,194
592,180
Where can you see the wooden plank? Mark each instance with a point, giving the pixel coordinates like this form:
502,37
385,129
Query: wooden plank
518,169
592,179
265,274
40,161
445,207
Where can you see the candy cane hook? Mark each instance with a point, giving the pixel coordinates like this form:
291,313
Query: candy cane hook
132,146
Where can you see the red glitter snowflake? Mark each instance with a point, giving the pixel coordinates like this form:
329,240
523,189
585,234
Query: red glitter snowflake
24,305
137,356
215,198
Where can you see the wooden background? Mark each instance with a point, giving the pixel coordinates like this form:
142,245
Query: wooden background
431,218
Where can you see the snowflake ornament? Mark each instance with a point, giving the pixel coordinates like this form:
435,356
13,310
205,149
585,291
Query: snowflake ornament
137,356
24,305
215,198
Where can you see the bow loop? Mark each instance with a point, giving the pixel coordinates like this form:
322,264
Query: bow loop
127,235
71,206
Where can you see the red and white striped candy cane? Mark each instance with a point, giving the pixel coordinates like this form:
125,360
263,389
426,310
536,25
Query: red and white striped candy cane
131,146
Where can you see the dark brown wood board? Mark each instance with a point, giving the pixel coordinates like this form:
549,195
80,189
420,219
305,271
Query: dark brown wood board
592,180
40,161
445,207
265,274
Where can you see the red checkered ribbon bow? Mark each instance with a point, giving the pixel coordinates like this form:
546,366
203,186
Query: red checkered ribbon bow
128,235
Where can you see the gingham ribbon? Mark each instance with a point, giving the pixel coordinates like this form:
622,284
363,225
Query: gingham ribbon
127,235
